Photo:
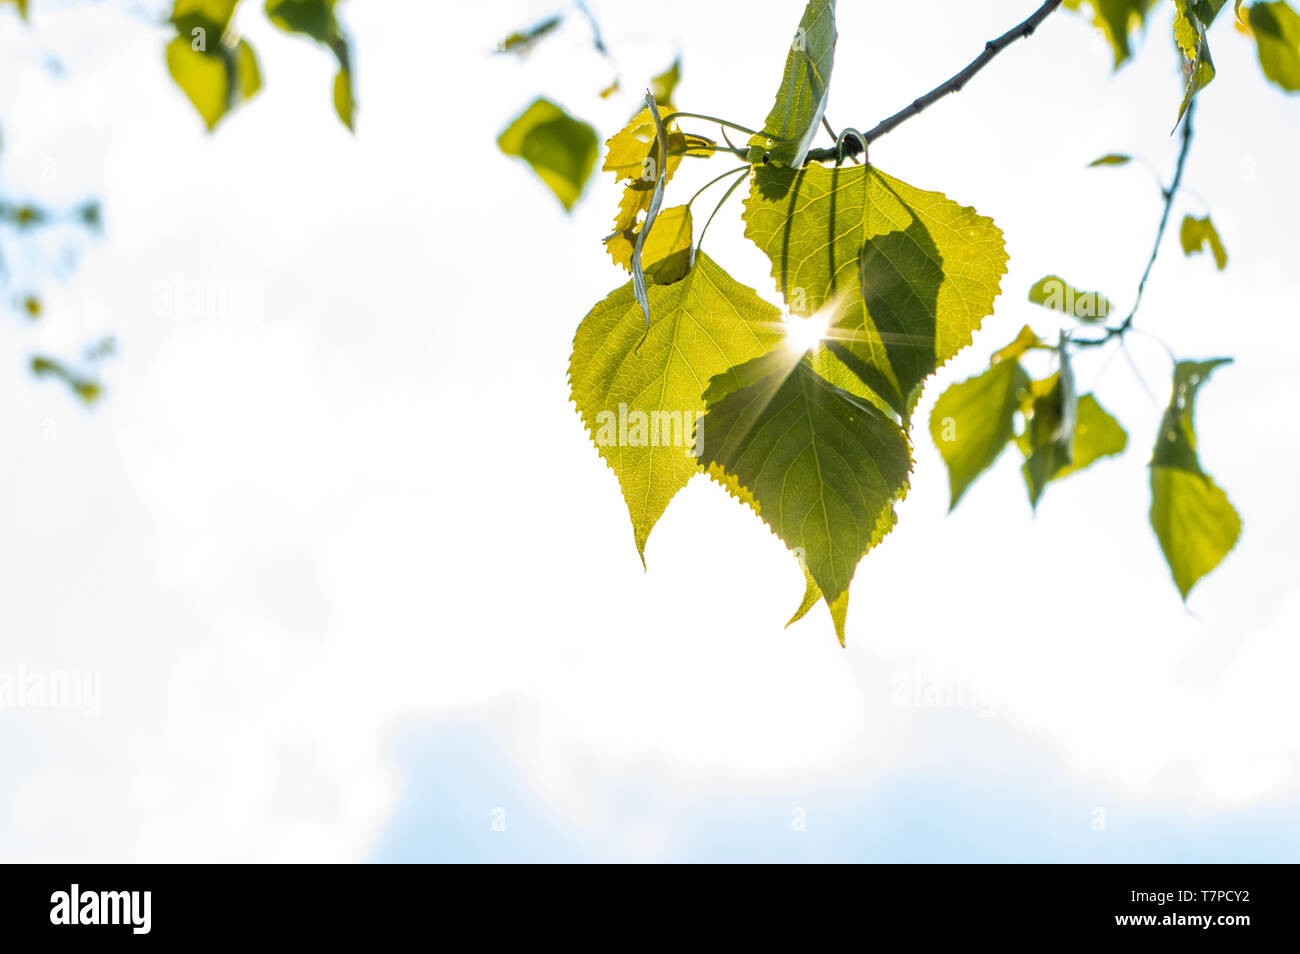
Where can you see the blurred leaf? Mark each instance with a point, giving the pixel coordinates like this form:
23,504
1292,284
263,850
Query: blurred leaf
344,105
32,306
974,420
1276,28
1118,20
87,390
1096,435
1055,294
665,84
521,42
666,254
561,149
805,85
1111,159
316,19
21,4
1192,518
1196,233
822,467
215,81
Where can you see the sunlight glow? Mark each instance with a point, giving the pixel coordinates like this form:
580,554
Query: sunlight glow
806,334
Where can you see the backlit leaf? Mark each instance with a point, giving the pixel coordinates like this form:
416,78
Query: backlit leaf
823,467
1118,20
316,19
910,273
665,84
805,85
1111,159
561,149
1192,18
641,392
216,80
975,419
666,255
1054,293
1096,435
521,42
1192,517
1276,28
1196,233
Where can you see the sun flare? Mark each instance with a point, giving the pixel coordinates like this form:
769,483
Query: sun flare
806,334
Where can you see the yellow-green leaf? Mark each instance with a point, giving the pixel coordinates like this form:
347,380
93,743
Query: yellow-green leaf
973,420
1276,28
561,149
908,274
805,85
1194,522
217,80
665,84
1096,435
1054,293
1196,233
641,392
1118,21
666,254
823,467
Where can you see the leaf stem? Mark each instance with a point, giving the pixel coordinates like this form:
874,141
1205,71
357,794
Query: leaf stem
715,179
991,49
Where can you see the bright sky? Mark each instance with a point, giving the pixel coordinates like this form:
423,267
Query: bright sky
358,586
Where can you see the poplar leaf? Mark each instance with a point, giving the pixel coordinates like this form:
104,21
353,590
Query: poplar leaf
805,85
1118,21
974,420
666,254
1111,159
640,392
1196,233
908,274
1096,435
1194,522
1055,294
822,466
561,149
1276,28
217,80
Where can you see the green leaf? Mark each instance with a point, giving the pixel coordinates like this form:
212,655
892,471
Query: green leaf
1117,20
665,84
216,80
210,17
1176,443
344,103
316,19
1051,411
805,85
1193,520
666,255
632,154
1192,19
521,42
906,275
561,149
641,392
822,467
22,7
1111,159
1055,294
1196,233
1096,435
1276,28
975,419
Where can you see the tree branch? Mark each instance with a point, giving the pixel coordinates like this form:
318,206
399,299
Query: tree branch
1171,193
851,147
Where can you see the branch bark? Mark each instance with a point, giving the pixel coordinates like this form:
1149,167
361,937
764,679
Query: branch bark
852,146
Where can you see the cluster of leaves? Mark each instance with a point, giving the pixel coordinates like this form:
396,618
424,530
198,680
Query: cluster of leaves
803,414
217,68
1274,26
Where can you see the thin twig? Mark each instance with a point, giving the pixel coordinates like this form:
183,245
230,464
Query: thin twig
991,49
